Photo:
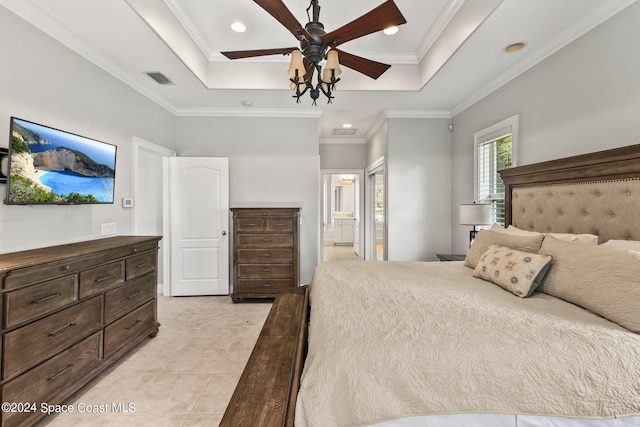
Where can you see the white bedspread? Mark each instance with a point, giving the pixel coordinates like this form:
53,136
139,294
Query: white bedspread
393,339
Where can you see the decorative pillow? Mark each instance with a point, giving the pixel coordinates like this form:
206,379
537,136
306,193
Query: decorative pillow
600,278
633,245
518,272
588,239
486,238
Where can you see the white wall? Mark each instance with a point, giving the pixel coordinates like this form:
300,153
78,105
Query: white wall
418,188
343,156
584,98
271,161
43,81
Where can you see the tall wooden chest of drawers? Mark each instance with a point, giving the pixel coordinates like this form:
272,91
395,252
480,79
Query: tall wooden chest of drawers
68,313
265,251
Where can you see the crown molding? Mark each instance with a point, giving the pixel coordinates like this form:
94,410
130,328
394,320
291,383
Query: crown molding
41,20
247,112
438,27
356,140
571,34
417,114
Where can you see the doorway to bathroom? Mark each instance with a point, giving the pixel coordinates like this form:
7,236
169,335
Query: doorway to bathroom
342,231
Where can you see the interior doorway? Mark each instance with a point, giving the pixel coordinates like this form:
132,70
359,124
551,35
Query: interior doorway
151,200
341,233
376,212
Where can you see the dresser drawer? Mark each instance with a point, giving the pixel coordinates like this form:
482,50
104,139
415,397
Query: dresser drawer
129,330
121,300
279,224
266,271
98,279
31,344
262,286
267,256
265,240
244,225
29,303
140,264
46,382
35,274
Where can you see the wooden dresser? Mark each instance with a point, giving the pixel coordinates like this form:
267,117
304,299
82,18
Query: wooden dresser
68,313
265,251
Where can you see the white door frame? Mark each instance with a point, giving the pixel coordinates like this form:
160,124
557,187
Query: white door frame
361,211
370,220
139,145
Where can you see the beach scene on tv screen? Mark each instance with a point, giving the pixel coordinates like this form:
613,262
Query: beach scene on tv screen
52,166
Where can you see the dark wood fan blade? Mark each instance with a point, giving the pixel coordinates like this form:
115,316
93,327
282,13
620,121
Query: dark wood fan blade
383,16
365,66
283,15
237,54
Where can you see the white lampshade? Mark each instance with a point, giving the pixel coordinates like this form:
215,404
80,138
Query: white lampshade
296,64
475,214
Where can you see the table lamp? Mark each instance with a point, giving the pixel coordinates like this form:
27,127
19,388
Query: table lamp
475,214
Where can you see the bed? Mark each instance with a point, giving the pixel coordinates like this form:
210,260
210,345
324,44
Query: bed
553,341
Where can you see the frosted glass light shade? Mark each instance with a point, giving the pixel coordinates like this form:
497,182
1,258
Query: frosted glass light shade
475,214
333,63
296,64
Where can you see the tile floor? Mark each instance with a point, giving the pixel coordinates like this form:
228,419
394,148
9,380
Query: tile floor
185,376
338,253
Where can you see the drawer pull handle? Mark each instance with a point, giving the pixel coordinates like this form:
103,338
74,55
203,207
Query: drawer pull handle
266,270
252,224
47,298
65,268
61,330
266,240
266,285
279,224
102,279
144,264
133,294
133,324
65,369
266,255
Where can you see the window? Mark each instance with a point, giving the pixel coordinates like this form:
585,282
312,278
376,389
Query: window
494,150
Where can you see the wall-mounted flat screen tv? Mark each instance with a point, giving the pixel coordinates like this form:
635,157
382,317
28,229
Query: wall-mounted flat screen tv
50,166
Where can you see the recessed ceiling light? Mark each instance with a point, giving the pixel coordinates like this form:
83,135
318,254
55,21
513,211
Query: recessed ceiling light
514,47
346,125
238,27
390,30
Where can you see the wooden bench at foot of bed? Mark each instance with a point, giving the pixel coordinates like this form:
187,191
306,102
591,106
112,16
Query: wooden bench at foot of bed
268,388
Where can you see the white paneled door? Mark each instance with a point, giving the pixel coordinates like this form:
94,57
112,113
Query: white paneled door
199,221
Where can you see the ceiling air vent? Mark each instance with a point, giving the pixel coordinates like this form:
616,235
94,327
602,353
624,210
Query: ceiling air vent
159,77
350,131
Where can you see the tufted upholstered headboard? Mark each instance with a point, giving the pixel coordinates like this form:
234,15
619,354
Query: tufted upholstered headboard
596,193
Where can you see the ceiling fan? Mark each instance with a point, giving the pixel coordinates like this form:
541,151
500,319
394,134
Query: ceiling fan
316,45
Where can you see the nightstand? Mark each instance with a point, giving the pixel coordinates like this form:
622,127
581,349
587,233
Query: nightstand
451,257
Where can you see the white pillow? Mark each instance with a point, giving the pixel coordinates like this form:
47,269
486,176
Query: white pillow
588,239
633,245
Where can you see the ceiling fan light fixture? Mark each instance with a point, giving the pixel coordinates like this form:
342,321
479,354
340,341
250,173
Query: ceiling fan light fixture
316,45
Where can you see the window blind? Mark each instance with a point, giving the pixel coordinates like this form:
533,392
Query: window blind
493,155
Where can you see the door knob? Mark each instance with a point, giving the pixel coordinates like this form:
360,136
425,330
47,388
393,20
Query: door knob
224,233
